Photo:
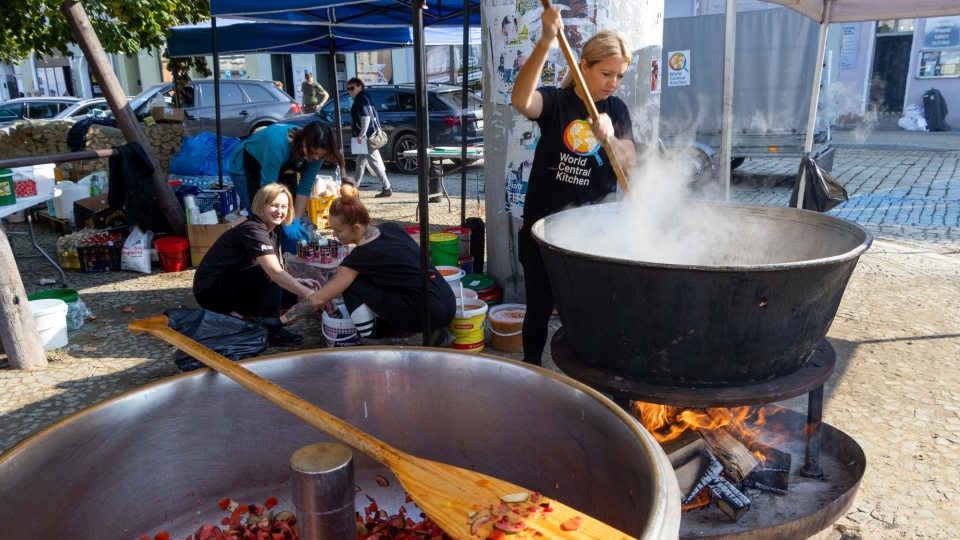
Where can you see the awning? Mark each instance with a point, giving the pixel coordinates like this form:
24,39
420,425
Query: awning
872,10
359,13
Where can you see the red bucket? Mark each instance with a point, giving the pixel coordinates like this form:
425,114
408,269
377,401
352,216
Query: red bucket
413,232
173,251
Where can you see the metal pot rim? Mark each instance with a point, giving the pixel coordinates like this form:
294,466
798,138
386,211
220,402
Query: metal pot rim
853,254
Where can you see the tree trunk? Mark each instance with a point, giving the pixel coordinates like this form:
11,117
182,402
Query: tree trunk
18,330
127,121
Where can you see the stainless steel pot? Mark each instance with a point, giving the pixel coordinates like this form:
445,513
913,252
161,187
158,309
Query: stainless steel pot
160,457
740,294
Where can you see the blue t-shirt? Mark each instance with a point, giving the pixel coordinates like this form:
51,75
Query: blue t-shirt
271,148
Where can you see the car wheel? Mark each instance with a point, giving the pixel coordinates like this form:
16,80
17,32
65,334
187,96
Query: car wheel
695,166
736,162
406,165
258,127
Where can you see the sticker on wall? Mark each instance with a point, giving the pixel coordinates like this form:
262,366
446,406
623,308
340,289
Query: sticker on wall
655,76
678,68
510,29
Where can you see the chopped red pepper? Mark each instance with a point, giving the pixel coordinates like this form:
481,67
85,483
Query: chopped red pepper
161,536
496,535
244,509
271,502
225,503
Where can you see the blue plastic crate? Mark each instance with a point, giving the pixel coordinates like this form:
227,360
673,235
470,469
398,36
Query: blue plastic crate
223,201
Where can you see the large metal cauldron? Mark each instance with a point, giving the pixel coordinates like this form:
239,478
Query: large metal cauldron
740,293
160,457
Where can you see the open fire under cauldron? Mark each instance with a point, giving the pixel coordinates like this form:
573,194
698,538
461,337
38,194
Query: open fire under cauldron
733,314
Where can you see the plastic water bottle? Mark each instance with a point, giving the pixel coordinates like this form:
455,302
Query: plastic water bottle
336,175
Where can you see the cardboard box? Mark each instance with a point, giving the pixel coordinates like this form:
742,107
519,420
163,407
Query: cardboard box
201,237
168,114
95,213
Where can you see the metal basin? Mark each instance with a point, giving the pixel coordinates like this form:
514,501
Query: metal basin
738,294
160,457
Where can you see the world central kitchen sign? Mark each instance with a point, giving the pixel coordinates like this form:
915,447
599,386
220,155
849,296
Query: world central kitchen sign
942,33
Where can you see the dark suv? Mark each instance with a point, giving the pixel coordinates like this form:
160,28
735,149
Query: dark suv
245,105
396,108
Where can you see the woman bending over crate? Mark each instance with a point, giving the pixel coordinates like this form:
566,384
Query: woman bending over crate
242,275
379,278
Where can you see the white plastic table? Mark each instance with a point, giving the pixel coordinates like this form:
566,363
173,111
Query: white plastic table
24,204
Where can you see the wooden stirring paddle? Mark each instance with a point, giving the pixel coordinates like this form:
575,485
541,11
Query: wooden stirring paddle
450,495
574,66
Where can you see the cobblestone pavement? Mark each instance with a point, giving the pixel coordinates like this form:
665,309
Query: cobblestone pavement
896,390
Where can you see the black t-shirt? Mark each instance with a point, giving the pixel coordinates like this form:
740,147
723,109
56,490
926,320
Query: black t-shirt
392,261
237,249
570,166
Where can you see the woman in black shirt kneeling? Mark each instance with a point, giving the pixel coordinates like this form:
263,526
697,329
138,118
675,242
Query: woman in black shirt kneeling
380,277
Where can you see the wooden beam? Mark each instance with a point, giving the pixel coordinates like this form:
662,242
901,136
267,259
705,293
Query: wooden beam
127,121
18,330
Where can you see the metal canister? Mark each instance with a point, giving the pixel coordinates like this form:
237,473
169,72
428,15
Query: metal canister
326,256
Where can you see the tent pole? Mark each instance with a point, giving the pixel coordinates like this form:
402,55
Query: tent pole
335,84
726,115
216,95
423,165
464,73
814,98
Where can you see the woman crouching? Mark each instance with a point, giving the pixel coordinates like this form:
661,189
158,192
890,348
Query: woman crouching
380,277
242,274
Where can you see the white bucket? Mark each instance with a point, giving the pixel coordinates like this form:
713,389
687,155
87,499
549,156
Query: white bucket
45,178
69,194
51,318
453,279
469,294
17,217
339,332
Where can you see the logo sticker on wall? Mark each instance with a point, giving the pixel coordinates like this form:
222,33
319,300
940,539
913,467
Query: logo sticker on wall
678,68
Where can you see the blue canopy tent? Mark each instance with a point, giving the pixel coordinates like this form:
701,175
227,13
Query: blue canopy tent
378,16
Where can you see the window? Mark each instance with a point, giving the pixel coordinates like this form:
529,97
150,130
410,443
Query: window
457,99
230,94
10,112
37,111
407,101
257,93
895,26
384,100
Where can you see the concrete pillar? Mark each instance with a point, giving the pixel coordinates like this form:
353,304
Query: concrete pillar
510,138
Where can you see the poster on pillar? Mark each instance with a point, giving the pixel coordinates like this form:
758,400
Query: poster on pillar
519,161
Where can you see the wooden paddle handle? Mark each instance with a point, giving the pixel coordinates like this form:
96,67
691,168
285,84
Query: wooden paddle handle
574,66
306,411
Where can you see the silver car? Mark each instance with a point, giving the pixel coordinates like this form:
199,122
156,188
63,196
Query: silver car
33,108
245,105
84,107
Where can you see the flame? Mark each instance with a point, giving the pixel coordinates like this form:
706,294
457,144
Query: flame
702,499
667,423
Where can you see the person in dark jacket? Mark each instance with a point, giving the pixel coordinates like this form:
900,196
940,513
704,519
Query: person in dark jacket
363,116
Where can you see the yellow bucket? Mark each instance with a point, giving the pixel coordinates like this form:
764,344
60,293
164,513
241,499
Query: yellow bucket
467,325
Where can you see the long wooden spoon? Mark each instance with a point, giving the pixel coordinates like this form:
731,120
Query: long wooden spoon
446,493
574,66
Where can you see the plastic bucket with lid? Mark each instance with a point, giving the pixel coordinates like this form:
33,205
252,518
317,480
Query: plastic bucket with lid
452,275
466,264
463,233
71,297
467,325
467,293
414,232
339,332
50,314
7,195
173,251
506,325
444,249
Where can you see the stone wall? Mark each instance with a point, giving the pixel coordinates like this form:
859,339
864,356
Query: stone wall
48,137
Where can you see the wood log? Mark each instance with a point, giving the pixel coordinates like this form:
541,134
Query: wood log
683,449
773,474
18,330
733,503
703,470
738,462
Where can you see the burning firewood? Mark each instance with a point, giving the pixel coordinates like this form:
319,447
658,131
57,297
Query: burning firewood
773,474
683,449
733,503
697,474
738,462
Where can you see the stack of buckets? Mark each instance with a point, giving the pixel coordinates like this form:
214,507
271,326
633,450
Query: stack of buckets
173,251
464,259
485,286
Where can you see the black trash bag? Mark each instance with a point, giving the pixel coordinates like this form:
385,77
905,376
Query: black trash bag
822,192
223,334
477,242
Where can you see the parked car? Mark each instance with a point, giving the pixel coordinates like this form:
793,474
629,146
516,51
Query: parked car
245,105
33,108
395,104
83,107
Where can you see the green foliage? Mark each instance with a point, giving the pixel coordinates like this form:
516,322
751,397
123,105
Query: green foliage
123,26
